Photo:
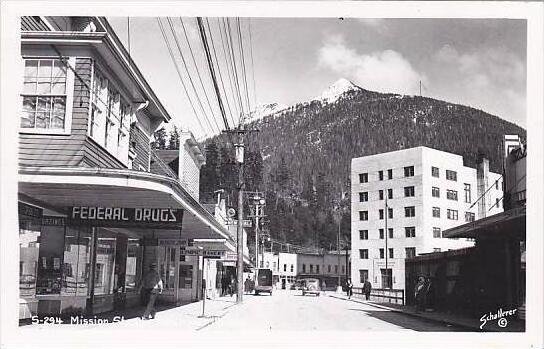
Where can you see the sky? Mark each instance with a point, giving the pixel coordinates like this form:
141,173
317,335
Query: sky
476,62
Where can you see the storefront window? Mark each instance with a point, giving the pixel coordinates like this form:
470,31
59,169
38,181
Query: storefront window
29,233
168,266
77,255
105,261
185,276
50,260
134,267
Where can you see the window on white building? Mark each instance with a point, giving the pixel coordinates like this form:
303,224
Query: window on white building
363,234
391,254
363,215
437,249
363,197
410,211
435,192
436,232
435,172
44,95
390,213
380,175
380,213
436,212
410,252
452,214
409,191
382,236
409,171
382,253
380,194
469,217
410,232
451,175
389,193
390,173
467,193
363,275
451,194
363,177
363,254
390,232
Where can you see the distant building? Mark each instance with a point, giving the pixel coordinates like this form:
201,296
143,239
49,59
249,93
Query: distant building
327,267
418,192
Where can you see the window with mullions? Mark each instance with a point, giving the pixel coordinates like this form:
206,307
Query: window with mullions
451,175
451,194
410,232
44,94
363,196
363,234
409,211
409,171
409,191
436,212
435,172
437,232
468,199
452,214
390,173
435,192
363,177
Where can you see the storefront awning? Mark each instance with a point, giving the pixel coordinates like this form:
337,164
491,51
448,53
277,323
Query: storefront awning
509,224
59,188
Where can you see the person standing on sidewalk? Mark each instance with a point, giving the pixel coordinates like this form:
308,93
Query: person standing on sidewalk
367,287
152,286
349,288
419,294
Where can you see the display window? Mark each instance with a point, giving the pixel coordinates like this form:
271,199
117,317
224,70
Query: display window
133,265
77,258
105,262
29,246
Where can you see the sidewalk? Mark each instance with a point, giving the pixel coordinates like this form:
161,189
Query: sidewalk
471,324
186,317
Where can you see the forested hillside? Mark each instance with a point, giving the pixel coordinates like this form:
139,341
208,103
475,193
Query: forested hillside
301,156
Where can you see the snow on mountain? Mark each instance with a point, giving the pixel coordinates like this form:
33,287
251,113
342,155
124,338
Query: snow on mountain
264,110
336,90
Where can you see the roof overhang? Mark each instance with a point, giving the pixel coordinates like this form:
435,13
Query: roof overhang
112,51
65,187
508,224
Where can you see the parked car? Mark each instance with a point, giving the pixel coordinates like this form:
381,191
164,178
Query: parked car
264,281
311,286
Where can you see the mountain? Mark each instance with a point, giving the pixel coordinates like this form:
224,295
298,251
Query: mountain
337,90
265,110
303,152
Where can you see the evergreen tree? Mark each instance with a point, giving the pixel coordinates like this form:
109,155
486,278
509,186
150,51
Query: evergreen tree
173,141
209,173
159,141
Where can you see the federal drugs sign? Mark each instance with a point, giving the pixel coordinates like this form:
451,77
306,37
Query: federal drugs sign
125,217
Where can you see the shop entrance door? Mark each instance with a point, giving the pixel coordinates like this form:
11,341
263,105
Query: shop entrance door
168,257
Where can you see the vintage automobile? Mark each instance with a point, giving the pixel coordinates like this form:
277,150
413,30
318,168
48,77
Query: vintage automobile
264,281
311,286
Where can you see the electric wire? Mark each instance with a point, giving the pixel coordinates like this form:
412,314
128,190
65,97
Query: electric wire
198,73
219,71
165,37
235,70
244,75
223,32
190,79
212,71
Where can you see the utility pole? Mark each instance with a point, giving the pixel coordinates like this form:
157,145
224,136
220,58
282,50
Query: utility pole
239,147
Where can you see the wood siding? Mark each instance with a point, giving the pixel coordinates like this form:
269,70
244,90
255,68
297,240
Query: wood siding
33,23
140,143
62,150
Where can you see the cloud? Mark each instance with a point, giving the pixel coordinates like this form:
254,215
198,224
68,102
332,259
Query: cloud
384,71
492,79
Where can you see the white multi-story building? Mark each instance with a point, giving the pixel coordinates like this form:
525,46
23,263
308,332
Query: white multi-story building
283,266
403,200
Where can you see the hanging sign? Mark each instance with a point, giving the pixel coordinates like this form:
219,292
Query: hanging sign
126,217
201,252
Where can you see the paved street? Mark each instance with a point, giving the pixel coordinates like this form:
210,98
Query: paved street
289,310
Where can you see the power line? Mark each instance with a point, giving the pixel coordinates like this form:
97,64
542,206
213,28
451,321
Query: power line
252,65
222,30
244,75
235,70
212,72
180,75
190,79
198,72
219,71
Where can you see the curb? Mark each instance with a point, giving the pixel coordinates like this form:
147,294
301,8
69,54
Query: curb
444,322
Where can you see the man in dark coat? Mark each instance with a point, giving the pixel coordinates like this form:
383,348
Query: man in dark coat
367,287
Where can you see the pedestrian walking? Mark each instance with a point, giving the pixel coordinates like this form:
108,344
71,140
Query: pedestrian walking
419,294
152,287
367,288
324,286
232,286
349,288
247,284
